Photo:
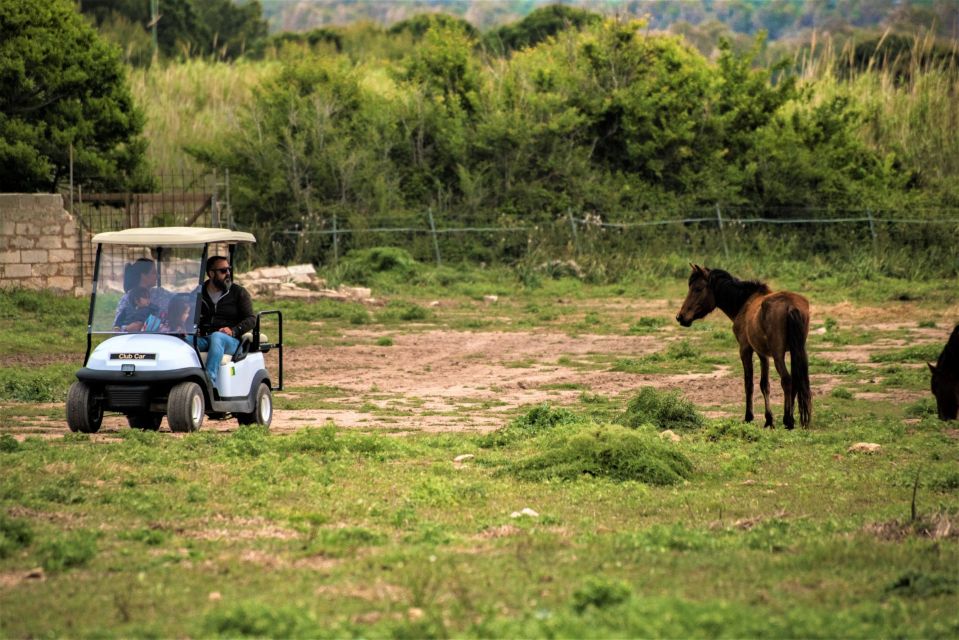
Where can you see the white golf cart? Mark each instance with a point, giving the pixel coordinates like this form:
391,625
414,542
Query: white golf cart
156,369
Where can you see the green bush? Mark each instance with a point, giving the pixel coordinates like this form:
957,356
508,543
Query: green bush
609,451
664,409
600,593
260,620
534,422
363,265
14,534
74,549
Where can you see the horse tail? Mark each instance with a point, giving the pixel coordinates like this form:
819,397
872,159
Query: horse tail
796,341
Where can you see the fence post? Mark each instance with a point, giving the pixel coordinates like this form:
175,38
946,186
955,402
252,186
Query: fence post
872,231
436,244
572,225
722,232
336,242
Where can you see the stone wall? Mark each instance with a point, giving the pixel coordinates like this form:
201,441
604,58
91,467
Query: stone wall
40,245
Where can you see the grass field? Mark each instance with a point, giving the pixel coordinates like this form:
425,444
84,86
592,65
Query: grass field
358,515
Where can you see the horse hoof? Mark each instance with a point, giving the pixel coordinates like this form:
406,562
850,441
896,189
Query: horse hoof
769,422
788,422
748,418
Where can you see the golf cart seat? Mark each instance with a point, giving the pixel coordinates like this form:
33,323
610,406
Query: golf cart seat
246,343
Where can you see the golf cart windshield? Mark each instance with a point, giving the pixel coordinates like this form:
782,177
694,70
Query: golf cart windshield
147,289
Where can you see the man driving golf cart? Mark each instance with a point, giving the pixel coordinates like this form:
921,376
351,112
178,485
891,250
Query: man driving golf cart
151,371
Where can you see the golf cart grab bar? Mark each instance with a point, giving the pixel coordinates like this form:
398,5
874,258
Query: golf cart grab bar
278,345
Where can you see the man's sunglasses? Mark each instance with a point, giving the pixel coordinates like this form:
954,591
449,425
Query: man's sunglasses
223,270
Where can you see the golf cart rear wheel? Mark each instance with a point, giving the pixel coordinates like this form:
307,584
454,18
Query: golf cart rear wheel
84,412
262,410
145,421
185,407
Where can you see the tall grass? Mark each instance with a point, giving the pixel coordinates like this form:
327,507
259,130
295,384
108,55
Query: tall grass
912,105
192,102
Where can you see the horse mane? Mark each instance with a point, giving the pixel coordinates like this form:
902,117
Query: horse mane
732,293
949,358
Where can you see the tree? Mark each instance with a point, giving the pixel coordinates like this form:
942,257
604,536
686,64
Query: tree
538,26
62,85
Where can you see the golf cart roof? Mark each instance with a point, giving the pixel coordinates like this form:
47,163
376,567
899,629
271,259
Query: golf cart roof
172,236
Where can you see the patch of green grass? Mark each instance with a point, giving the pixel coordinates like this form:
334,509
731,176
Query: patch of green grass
915,353
37,384
384,341
679,356
647,324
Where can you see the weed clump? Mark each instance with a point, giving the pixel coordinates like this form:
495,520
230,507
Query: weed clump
915,584
260,620
537,421
600,593
664,409
72,550
14,534
8,444
608,451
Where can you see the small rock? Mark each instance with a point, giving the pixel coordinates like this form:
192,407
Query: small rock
35,574
463,457
414,613
435,303
525,512
670,435
214,596
865,447
490,299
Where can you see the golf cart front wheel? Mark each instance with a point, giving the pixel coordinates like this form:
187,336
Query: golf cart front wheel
84,412
262,410
185,407
145,421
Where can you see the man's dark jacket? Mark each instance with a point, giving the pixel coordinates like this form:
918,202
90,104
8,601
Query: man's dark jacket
234,309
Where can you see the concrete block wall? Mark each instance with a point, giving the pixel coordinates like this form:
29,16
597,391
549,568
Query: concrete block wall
40,245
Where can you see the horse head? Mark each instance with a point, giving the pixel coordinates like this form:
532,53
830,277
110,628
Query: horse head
946,390
700,300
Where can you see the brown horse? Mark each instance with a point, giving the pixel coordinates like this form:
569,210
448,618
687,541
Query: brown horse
945,378
765,323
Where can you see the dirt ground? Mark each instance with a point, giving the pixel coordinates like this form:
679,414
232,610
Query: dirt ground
475,381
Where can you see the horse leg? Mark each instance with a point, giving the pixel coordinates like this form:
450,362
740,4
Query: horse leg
787,383
746,355
764,387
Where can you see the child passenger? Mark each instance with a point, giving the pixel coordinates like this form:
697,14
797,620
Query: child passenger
142,316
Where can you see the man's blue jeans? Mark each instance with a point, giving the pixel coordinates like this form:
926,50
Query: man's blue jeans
215,344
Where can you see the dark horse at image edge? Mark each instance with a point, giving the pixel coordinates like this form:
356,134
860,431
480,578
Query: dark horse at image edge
945,378
769,324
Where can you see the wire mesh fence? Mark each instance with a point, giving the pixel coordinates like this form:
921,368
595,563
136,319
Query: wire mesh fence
717,231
